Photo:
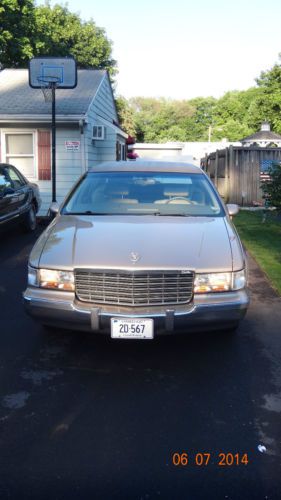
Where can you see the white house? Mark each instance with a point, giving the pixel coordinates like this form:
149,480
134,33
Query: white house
87,133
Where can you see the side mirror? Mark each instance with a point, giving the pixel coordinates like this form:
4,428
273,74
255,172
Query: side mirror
54,208
232,209
8,190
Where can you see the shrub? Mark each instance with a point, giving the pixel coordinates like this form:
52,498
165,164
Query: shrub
272,187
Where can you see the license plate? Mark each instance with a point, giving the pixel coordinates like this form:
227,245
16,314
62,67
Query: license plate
132,328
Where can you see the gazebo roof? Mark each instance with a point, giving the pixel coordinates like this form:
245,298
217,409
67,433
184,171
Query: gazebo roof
265,134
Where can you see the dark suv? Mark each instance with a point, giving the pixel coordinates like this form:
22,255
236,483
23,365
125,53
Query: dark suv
19,199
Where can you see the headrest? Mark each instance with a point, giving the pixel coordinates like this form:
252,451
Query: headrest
176,191
118,191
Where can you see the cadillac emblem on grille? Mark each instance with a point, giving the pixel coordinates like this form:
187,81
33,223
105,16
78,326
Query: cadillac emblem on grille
134,257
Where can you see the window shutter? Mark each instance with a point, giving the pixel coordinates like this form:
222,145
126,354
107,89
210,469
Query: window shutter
44,155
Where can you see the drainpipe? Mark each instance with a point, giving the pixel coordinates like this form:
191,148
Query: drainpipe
82,142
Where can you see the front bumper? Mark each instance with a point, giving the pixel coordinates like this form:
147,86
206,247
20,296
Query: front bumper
205,312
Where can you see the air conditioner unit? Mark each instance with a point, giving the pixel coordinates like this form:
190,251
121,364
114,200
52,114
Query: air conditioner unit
98,132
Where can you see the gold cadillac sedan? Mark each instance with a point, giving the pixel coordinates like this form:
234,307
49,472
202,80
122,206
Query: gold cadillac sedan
139,249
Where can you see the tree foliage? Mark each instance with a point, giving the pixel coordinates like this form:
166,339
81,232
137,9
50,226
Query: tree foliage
160,120
164,120
234,116
27,31
16,32
268,103
126,116
59,32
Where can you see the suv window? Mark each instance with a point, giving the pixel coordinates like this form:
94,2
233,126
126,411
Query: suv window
15,178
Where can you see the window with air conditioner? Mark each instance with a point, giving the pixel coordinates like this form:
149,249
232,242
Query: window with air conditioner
98,132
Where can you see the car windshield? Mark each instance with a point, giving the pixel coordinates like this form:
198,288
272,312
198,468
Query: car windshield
144,193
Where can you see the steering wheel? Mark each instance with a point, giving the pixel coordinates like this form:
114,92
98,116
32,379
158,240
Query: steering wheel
178,198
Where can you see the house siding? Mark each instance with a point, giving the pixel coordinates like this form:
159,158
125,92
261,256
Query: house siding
102,107
69,167
69,164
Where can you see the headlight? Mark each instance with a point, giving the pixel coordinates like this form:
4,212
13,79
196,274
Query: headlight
59,280
48,278
219,282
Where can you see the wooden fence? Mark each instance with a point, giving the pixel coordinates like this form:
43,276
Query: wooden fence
235,171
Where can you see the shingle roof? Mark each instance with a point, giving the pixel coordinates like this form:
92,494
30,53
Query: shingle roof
262,135
17,97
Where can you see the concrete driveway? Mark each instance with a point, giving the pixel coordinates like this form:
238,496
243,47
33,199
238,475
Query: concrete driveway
88,417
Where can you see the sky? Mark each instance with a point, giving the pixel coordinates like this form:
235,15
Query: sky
182,49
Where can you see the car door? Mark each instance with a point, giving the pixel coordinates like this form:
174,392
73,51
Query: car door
21,188
8,197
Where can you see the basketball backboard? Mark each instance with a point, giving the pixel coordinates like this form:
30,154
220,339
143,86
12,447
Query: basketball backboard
43,71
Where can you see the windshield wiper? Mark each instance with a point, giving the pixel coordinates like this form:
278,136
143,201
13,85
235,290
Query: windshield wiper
173,215
159,214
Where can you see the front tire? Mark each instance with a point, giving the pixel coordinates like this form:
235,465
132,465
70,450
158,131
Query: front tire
232,329
30,220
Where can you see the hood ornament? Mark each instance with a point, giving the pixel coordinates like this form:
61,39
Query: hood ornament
134,257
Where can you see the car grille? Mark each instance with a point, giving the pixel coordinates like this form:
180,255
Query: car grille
134,288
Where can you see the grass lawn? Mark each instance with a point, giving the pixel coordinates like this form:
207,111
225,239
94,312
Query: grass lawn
263,240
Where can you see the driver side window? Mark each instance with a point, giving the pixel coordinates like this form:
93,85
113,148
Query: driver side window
15,178
5,182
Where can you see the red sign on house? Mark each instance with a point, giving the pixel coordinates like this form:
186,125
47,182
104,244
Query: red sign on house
72,145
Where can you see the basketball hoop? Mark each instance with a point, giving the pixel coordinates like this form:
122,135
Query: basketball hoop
49,74
48,83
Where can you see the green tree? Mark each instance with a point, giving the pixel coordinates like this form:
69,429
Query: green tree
232,130
267,105
160,120
126,115
27,31
233,115
59,32
16,28
202,118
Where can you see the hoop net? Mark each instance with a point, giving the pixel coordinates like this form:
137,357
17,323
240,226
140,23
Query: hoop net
47,84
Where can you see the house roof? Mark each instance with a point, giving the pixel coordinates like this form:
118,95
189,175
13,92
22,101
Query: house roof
18,98
262,135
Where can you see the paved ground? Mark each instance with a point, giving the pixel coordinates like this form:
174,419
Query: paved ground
88,417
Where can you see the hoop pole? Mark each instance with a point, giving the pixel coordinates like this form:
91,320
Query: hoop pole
54,197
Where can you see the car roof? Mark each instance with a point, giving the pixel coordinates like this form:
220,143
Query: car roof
146,166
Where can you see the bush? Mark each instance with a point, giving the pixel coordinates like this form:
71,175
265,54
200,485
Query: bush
272,187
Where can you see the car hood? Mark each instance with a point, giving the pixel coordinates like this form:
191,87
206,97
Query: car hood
195,243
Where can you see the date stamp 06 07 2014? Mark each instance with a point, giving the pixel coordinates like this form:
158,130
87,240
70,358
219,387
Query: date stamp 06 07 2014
202,459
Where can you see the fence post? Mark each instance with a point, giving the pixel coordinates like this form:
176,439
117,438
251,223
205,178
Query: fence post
226,174
230,169
216,168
